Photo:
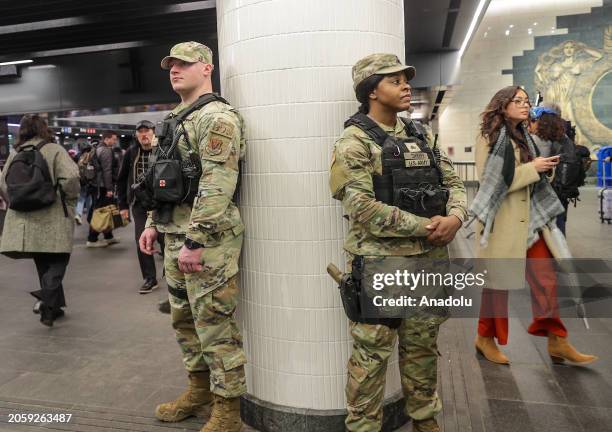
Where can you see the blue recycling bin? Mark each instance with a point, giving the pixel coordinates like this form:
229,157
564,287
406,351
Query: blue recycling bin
602,154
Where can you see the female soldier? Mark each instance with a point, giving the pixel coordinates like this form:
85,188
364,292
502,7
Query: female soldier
44,234
378,228
516,195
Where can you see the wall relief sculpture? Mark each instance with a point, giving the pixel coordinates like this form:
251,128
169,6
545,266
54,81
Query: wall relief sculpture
578,78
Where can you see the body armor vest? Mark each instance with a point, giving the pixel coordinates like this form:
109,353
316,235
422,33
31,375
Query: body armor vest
411,177
172,178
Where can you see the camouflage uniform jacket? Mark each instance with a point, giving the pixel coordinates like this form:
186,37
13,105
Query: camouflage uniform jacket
376,228
216,130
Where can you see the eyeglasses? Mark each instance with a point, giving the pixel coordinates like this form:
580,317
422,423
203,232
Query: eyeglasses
521,102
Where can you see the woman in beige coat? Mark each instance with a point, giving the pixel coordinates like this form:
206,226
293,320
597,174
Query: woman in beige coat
45,234
510,235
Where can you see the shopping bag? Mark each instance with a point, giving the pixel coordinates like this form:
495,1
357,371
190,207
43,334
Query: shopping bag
102,219
107,218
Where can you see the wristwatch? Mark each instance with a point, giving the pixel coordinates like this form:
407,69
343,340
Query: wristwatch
191,245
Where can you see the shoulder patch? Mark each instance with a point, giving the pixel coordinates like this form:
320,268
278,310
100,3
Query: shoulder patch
214,146
223,128
219,140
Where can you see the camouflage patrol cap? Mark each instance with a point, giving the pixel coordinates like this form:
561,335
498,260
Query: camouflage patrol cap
191,52
383,64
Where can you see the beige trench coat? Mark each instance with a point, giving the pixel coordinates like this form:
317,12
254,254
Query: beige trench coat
506,251
47,229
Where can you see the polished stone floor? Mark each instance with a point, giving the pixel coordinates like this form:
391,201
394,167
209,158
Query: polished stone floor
113,357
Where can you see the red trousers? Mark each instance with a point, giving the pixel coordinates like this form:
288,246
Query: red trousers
542,279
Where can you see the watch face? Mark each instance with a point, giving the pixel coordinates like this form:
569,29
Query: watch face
190,244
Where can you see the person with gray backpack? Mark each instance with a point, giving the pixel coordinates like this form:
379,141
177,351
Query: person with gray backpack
102,169
41,183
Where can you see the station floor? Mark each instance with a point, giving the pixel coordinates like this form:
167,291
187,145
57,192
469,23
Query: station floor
114,357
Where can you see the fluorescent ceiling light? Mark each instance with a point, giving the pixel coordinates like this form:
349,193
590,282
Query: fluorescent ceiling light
13,124
16,62
472,28
47,66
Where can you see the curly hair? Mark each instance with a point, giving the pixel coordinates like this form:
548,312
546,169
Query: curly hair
493,119
550,127
33,126
493,116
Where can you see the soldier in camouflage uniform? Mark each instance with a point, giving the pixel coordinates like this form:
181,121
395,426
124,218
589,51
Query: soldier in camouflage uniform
203,243
378,229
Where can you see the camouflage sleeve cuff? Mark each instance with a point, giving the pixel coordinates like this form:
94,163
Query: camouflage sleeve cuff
459,212
421,231
198,236
149,223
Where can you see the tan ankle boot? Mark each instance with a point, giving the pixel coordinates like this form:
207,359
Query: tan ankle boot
195,401
560,350
488,348
429,425
225,416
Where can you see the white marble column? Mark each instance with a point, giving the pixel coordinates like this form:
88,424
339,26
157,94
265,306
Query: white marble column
286,66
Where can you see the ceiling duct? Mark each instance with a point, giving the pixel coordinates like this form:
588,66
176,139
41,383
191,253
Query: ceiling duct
451,19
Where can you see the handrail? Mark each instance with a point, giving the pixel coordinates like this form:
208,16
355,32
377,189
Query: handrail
466,171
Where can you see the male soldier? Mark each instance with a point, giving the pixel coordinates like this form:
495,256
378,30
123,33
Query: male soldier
202,241
380,227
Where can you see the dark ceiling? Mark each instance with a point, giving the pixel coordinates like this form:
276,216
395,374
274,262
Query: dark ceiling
436,25
43,28
34,29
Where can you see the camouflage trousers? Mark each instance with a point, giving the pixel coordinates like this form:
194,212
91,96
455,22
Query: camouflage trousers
418,365
203,318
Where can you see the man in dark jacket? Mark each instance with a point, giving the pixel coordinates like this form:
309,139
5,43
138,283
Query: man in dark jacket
103,189
135,165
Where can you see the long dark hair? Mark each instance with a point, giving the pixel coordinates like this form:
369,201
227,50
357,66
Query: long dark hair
33,126
493,119
550,127
364,89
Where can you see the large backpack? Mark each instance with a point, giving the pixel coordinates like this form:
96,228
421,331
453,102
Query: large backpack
569,174
28,181
89,167
584,155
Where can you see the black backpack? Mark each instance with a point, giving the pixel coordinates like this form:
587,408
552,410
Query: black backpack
28,181
569,174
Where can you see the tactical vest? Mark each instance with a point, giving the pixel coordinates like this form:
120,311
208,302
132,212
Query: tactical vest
411,176
173,178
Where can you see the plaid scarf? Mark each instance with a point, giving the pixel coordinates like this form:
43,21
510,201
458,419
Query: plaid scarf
497,178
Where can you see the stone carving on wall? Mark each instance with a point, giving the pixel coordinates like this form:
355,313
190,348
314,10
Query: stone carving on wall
567,75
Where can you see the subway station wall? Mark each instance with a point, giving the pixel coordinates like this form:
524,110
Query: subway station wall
491,62
92,80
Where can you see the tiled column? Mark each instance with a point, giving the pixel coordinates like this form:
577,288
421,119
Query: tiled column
286,65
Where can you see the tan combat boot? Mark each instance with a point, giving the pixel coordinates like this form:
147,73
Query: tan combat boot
225,416
429,425
195,401
488,348
560,350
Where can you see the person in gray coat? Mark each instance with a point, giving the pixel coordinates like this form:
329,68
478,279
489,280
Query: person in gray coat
103,192
46,234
